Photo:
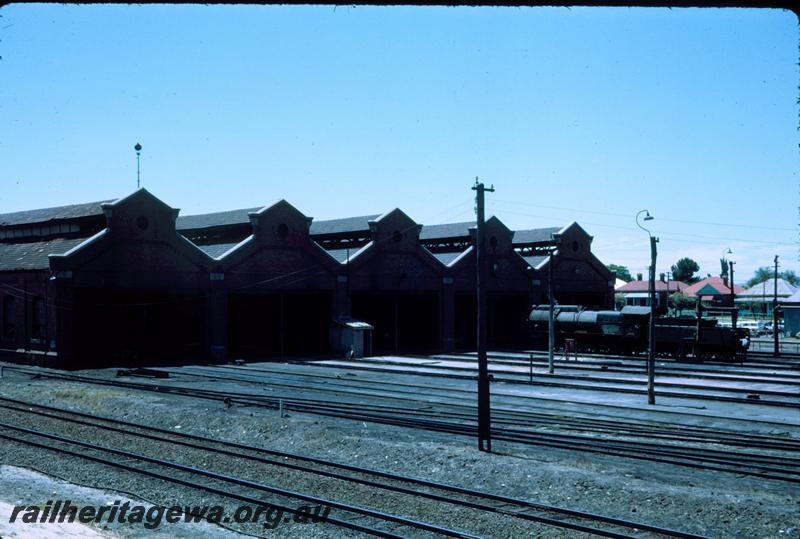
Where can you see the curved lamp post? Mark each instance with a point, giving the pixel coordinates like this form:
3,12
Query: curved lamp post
651,349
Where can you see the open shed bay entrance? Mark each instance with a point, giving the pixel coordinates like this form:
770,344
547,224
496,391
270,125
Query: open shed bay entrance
506,317
403,323
269,325
136,326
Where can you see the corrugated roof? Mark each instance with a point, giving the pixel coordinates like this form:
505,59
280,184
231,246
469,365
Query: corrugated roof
767,288
644,286
221,218
794,298
711,283
535,234
44,215
240,216
33,256
338,226
447,230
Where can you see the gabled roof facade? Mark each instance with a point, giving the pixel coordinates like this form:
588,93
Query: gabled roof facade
644,286
711,286
767,288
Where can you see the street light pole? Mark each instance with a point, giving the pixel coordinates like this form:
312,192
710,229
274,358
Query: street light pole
651,351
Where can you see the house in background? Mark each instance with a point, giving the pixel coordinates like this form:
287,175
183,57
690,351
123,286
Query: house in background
714,291
637,292
791,313
758,298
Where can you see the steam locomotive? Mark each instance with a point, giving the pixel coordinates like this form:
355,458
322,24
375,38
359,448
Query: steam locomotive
626,332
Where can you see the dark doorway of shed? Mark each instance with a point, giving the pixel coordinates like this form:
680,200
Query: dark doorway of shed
138,327
466,322
506,316
278,325
404,323
507,320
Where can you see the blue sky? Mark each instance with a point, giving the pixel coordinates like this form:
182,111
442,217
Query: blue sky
584,114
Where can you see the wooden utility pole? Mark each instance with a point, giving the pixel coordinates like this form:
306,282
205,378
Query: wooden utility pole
484,409
651,353
551,337
734,311
775,341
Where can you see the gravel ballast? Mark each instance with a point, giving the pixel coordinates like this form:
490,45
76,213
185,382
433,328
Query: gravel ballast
697,501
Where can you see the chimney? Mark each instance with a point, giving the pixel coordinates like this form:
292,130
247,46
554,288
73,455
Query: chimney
638,276
725,281
662,275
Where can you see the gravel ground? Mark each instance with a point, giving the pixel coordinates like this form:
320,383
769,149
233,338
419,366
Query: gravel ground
714,504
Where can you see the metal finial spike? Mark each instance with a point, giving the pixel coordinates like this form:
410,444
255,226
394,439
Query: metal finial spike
138,149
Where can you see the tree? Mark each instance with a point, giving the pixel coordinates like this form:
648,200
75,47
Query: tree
619,301
680,301
621,271
766,273
724,268
684,270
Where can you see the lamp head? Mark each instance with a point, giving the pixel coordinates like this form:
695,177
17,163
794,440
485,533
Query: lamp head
648,217
138,147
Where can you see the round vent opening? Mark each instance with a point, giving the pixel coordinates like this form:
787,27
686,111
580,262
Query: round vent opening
397,236
142,222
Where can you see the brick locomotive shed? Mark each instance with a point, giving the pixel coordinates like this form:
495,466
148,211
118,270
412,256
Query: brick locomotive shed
126,281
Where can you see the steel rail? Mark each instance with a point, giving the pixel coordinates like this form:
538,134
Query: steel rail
498,434
402,490
504,415
532,417
311,406
205,488
757,363
734,436
396,519
374,484
700,396
734,458
621,381
664,371
271,401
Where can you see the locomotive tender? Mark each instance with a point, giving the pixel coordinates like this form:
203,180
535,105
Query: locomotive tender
626,332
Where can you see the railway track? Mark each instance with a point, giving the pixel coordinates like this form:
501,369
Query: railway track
399,485
611,365
422,393
754,359
460,420
615,385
